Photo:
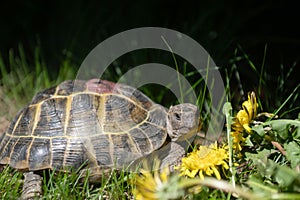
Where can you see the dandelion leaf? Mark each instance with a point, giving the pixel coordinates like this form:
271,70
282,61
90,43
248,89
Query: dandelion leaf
293,153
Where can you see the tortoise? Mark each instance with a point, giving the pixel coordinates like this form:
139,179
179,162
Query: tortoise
106,124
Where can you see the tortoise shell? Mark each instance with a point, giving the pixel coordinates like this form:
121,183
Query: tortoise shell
105,123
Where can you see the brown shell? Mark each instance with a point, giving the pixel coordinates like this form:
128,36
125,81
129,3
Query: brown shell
97,121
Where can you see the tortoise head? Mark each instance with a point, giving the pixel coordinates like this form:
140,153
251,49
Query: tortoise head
183,121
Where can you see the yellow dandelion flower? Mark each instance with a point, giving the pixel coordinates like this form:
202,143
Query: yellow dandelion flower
245,116
205,161
238,140
242,121
155,185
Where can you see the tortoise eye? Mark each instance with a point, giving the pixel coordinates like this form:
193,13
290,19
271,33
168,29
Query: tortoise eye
177,116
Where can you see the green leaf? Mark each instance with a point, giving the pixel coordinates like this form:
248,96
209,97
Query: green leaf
260,161
261,155
293,153
259,187
248,142
280,129
259,130
285,176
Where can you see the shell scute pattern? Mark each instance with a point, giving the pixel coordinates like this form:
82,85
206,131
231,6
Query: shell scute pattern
76,153
102,147
6,149
122,115
20,151
43,95
99,121
40,154
70,87
142,140
22,123
49,118
59,146
85,117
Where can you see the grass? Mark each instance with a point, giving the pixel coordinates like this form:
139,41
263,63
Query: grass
21,80
11,183
62,185
264,171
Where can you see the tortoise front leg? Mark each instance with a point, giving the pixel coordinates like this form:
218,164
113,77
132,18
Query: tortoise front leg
171,155
32,187
168,156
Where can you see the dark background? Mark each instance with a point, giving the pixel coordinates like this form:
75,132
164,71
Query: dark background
73,28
